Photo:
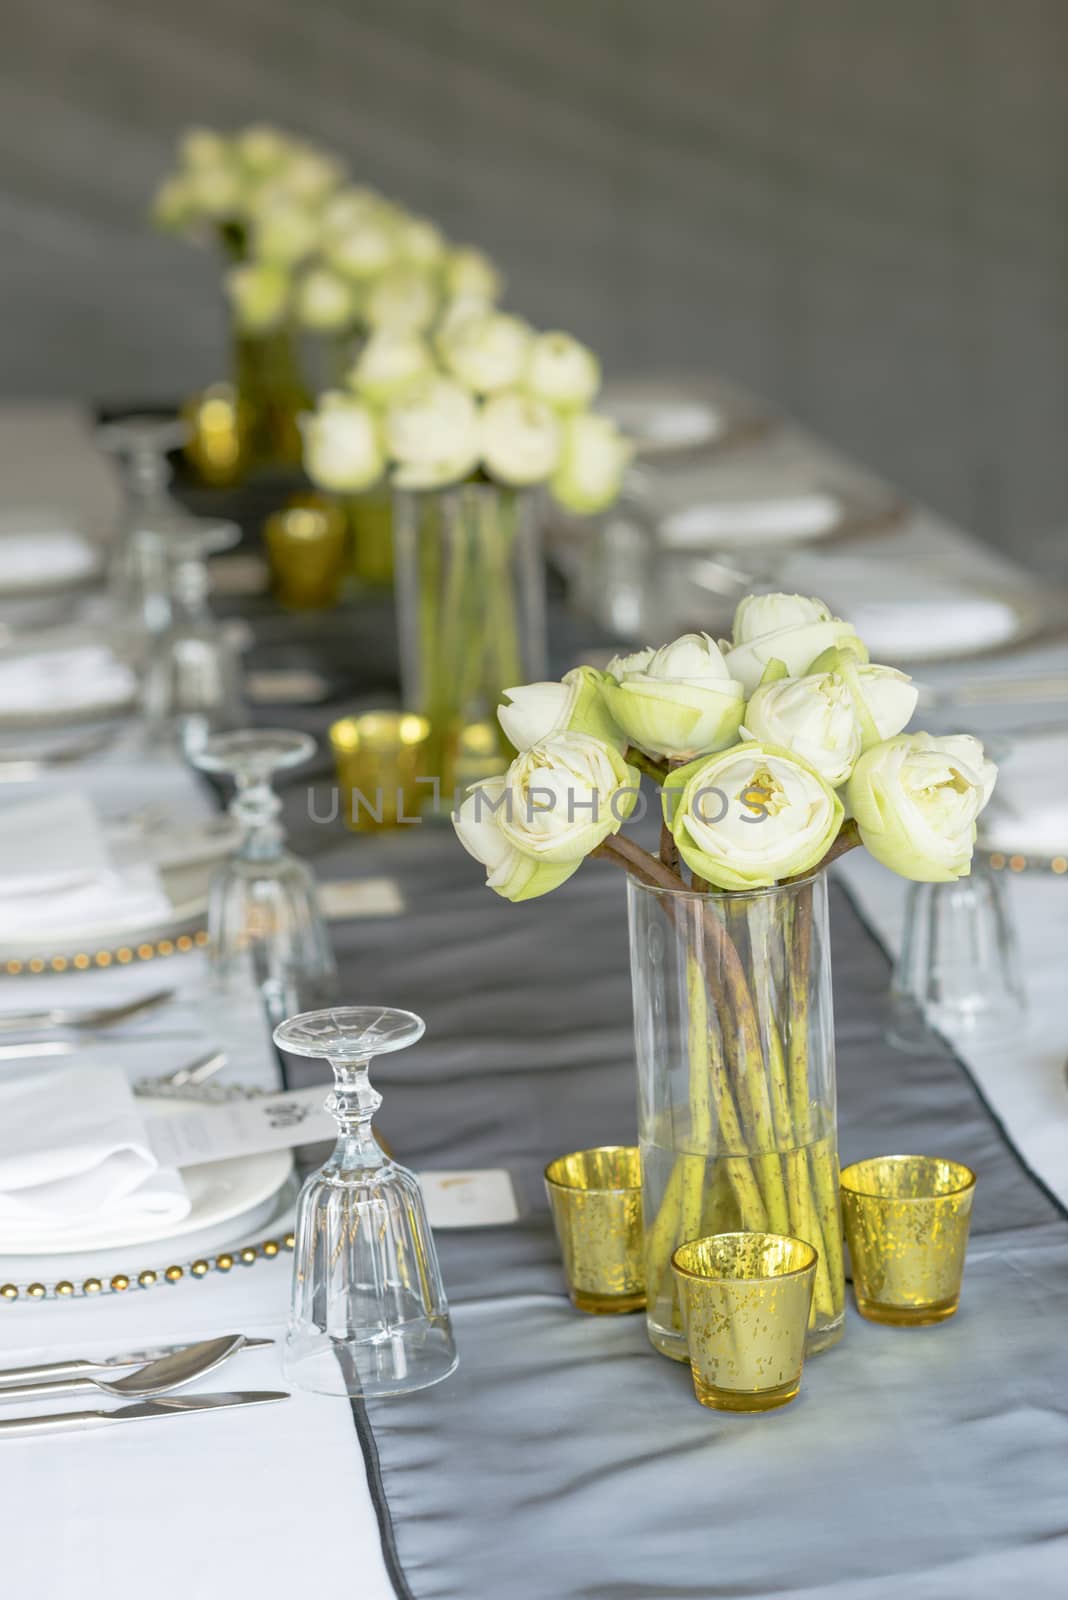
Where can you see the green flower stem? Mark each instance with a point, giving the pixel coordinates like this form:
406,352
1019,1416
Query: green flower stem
657,770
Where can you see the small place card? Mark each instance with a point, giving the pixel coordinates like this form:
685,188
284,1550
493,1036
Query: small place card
240,574
483,1198
293,686
343,899
476,1199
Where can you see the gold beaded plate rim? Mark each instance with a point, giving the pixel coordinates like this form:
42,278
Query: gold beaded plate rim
1019,861
245,1255
183,938
909,1199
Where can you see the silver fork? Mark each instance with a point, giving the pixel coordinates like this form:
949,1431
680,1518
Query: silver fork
79,1018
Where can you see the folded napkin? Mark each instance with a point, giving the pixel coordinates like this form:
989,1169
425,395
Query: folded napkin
73,1149
771,519
57,872
83,677
51,556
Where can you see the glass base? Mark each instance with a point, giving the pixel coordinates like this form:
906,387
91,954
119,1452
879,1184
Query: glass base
673,1345
607,1305
745,1399
907,1316
363,1370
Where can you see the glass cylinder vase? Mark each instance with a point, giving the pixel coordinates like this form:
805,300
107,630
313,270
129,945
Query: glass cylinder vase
734,1032
270,396
470,594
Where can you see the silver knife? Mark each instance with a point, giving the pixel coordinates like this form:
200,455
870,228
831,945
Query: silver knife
143,1411
99,1369
40,1049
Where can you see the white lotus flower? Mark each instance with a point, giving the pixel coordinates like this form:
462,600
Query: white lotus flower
259,295
324,301
916,799
558,801
536,711
520,439
262,149
487,353
787,628
285,232
342,446
433,435
679,701
201,148
593,461
419,241
390,364
403,299
813,717
470,272
750,816
562,371
364,250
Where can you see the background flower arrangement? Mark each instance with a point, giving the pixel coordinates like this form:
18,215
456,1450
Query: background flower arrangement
774,753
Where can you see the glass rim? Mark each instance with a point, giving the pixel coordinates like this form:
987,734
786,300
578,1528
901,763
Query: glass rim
968,1182
706,895
601,1188
772,1277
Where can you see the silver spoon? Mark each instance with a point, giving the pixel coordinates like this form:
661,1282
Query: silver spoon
169,1372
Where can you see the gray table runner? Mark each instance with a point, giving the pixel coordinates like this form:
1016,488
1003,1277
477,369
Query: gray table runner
566,1460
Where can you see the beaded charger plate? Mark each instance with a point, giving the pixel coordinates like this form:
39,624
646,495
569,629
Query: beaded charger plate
231,1200
118,943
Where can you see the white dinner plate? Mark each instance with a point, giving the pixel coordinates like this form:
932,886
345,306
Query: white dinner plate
945,625
224,1195
1027,815
41,553
671,416
186,855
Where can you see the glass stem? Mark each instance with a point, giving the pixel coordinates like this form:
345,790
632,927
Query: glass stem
352,1105
257,808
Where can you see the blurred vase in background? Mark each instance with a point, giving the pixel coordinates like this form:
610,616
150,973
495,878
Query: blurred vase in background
470,591
271,394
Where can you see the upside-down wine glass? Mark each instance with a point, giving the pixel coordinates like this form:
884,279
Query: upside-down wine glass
369,1316
139,566
264,921
192,685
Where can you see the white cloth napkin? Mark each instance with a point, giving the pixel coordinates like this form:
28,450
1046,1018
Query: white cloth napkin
85,676
57,872
73,1148
37,556
772,519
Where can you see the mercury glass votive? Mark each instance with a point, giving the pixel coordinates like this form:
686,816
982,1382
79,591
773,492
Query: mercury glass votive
596,1201
306,547
380,762
216,448
906,1224
745,1301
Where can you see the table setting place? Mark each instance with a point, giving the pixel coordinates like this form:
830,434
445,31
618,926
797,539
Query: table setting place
493,1221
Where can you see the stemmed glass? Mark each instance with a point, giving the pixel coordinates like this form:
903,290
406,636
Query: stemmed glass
958,972
192,677
139,566
369,1315
264,922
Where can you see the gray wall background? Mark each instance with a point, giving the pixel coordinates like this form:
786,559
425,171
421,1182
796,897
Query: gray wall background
857,207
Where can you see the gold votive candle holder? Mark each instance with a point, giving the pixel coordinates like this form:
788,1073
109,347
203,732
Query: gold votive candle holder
380,758
596,1201
906,1224
306,551
745,1301
218,427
